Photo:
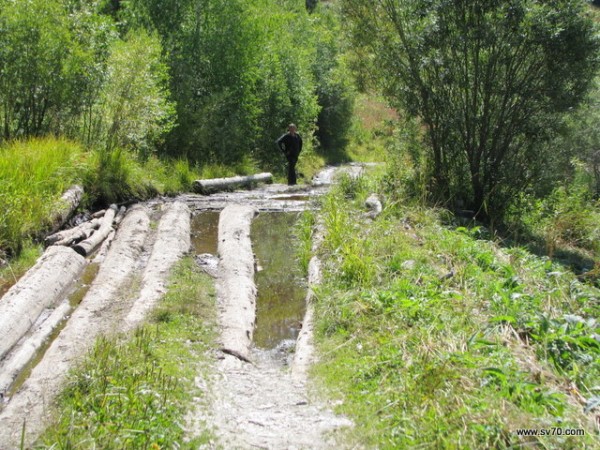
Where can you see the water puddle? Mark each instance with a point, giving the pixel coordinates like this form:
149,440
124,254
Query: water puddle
205,230
83,285
281,288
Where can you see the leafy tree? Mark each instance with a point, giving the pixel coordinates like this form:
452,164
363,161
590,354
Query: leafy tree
239,72
582,139
490,81
51,60
134,106
335,91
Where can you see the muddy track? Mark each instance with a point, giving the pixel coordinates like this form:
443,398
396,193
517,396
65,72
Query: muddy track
261,403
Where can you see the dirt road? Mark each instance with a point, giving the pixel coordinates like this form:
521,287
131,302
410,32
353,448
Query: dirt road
261,403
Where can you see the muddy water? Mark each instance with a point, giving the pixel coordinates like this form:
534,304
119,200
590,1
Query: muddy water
205,230
281,289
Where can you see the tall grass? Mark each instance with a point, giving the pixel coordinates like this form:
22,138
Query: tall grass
435,337
33,175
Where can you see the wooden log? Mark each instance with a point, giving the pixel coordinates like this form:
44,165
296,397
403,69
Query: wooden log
86,247
43,285
92,317
213,185
75,234
172,242
120,215
67,205
98,214
236,290
17,360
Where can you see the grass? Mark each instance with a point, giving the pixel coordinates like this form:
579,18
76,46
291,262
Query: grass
434,336
134,391
33,176
372,128
15,268
36,172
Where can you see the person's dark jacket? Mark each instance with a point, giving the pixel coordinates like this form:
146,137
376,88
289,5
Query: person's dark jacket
290,145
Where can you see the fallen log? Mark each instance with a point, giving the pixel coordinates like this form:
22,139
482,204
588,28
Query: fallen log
98,214
17,360
304,351
67,205
235,285
86,247
91,318
75,234
172,242
120,215
213,185
42,286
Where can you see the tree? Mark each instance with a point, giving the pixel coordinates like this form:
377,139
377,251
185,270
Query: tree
335,90
133,109
51,66
240,71
489,80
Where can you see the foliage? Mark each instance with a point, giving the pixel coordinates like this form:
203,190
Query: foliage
582,139
437,338
133,108
33,176
35,173
135,393
336,94
240,71
48,56
490,81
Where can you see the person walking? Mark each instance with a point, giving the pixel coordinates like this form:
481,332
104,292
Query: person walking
290,144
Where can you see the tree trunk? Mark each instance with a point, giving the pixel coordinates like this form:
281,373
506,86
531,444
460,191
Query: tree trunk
68,204
172,242
89,245
235,285
16,362
210,186
42,286
75,234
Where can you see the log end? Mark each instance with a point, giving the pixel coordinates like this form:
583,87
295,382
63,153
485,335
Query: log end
80,250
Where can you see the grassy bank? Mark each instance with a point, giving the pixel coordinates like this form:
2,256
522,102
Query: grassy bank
436,337
134,392
35,173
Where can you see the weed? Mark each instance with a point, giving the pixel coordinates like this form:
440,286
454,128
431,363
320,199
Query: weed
303,233
33,175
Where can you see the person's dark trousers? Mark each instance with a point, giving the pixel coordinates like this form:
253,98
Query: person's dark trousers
291,175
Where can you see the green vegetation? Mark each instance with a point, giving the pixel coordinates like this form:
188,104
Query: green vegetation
33,176
435,336
206,83
491,82
35,173
435,331
135,393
